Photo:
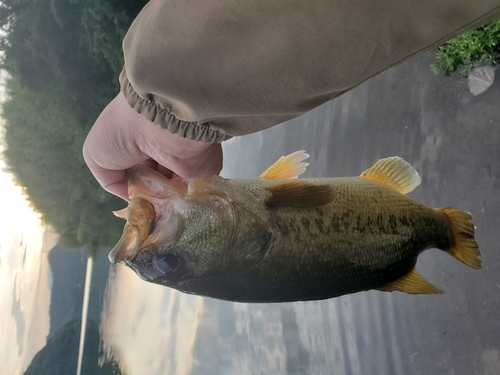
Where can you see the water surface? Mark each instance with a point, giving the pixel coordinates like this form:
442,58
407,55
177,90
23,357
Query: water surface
453,140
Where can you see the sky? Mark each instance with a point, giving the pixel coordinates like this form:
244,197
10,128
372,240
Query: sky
25,279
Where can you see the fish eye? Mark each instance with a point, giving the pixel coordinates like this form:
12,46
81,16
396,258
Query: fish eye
167,263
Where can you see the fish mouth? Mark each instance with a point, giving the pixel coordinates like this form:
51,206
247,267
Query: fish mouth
149,191
141,219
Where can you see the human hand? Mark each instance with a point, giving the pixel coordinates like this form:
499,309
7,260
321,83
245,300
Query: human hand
122,138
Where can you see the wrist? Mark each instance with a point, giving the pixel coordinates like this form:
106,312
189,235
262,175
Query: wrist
152,136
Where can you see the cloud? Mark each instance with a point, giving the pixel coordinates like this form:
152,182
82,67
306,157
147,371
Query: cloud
17,314
26,288
141,320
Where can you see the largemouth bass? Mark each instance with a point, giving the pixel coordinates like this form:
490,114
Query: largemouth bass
279,239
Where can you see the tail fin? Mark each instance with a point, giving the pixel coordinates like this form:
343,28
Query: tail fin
465,247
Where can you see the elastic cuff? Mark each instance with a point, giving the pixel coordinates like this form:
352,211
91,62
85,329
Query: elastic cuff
162,117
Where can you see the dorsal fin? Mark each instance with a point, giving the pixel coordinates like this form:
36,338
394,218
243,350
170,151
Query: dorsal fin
412,283
395,173
287,167
300,194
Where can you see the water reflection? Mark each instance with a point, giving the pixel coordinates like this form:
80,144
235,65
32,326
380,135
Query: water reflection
148,328
24,277
453,140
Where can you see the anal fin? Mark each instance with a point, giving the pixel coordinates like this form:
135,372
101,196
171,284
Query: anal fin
413,283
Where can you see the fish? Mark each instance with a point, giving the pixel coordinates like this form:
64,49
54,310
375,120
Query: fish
280,238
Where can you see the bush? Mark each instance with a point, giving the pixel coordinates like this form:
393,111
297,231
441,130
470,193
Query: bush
475,48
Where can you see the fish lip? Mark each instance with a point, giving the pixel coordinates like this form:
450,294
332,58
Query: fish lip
112,256
118,255
141,216
113,259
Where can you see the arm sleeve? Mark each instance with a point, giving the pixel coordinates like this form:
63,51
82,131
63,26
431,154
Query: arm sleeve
212,69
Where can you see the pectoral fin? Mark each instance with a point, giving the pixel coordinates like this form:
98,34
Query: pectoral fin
412,283
395,173
287,167
300,194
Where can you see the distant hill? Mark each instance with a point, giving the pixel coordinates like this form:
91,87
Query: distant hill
68,268
60,355
68,280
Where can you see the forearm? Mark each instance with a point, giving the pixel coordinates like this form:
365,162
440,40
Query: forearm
208,70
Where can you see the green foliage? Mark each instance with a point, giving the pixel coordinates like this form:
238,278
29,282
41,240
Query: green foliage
467,51
43,150
63,59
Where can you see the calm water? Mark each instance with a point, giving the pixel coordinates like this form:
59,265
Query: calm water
453,140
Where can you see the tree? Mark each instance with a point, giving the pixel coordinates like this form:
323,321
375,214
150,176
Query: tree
63,58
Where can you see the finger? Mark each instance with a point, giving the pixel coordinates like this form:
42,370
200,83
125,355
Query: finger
119,189
114,182
205,165
149,163
165,171
153,164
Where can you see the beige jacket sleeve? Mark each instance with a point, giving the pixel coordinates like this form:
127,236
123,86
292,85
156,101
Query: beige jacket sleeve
212,69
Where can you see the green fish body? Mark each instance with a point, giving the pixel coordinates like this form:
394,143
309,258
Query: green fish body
279,239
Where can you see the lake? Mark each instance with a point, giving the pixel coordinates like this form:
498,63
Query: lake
453,139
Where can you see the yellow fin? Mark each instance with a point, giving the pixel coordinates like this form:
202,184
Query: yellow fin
287,167
300,194
395,173
412,283
465,247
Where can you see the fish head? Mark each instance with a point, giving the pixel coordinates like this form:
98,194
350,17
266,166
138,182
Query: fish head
152,196
182,233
